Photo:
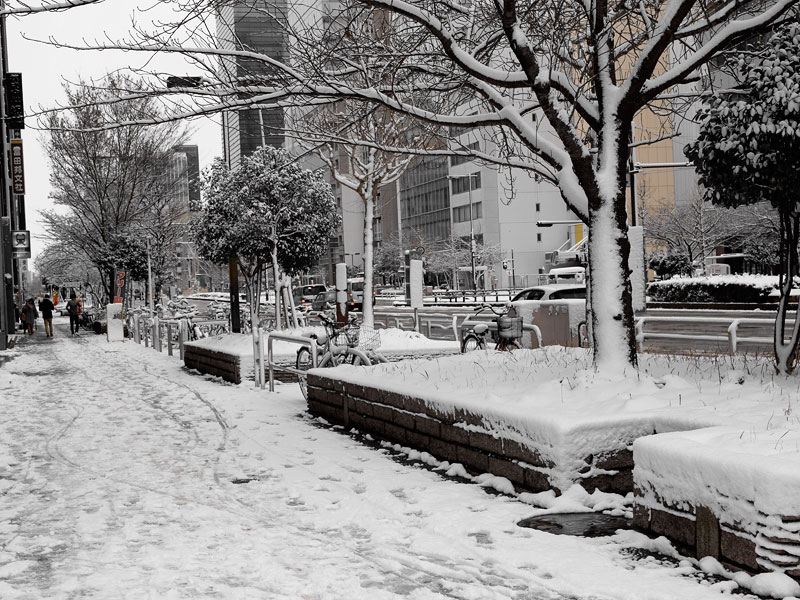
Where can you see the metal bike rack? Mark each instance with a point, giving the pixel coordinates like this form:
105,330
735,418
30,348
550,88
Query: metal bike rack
308,342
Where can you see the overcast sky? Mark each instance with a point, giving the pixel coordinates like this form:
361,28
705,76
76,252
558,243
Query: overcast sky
44,68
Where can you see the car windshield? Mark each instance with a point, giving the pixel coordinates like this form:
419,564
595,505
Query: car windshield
534,294
357,286
574,293
313,290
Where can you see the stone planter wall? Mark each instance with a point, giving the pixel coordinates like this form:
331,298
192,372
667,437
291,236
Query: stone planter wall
459,436
696,531
712,492
221,364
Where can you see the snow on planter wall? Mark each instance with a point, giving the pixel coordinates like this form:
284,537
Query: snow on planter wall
725,492
533,433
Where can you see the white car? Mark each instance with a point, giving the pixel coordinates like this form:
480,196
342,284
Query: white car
553,291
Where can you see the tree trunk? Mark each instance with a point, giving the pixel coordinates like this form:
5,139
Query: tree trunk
253,297
290,301
786,352
285,302
612,326
369,210
276,280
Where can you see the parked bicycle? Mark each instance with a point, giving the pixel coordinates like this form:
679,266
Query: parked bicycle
342,343
507,337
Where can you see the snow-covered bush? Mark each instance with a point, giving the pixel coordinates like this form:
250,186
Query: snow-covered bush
747,151
730,288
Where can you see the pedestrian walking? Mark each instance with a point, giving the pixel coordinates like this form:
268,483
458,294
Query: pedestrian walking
46,308
29,316
73,310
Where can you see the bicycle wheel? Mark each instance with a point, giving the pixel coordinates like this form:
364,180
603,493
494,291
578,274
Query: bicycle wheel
508,345
303,363
472,342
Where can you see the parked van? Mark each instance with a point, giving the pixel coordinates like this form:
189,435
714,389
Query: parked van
355,293
567,275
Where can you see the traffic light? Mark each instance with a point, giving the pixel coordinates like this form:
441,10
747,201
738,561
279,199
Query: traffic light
505,264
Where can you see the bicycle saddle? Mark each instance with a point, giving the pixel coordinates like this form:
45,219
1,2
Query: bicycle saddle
480,328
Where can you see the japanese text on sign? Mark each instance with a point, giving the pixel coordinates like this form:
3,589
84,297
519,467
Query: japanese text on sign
17,168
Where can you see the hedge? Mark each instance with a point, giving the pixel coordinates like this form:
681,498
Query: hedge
733,288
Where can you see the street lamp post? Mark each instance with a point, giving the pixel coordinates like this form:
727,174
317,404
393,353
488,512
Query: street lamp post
472,233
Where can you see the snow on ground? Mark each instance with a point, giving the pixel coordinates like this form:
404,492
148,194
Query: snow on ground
116,482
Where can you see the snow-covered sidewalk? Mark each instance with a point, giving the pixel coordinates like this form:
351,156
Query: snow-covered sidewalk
121,477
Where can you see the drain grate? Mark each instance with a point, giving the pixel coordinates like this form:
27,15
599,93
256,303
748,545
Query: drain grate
243,480
580,524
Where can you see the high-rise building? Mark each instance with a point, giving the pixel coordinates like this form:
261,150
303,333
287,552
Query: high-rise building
255,26
190,272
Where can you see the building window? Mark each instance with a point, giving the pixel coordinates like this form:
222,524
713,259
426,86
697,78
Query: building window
461,213
461,184
538,207
538,237
460,160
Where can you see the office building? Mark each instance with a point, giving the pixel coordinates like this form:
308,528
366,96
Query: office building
257,26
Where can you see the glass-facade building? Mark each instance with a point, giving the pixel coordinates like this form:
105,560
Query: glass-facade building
256,26
425,200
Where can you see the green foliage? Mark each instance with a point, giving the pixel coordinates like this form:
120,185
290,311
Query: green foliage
671,263
715,289
124,251
749,145
268,201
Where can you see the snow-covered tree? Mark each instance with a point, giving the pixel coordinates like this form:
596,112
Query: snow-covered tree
748,150
350,137
556,84
266,211
112,187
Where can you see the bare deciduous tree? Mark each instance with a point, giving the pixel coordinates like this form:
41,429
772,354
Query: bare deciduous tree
111,185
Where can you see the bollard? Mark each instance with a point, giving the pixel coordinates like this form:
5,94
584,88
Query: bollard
183,335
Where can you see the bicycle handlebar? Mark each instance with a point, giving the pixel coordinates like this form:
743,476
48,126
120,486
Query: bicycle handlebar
484,306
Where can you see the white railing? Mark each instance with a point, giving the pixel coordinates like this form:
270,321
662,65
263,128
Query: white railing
421,322
732,336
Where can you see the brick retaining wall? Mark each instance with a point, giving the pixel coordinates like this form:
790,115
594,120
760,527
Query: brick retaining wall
221,364
696,531
459,436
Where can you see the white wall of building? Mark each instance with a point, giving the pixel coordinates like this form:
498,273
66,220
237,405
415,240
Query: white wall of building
510,207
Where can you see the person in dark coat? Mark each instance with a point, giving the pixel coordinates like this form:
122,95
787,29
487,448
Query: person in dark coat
73,310
30,315
46,308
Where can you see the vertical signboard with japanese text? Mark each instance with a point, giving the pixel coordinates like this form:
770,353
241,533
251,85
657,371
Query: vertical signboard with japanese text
15,106
120,280
17,168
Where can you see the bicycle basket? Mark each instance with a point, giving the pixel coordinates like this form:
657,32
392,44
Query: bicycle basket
369,338
509,328
345,336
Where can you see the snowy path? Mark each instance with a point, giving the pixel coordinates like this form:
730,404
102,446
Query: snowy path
116,481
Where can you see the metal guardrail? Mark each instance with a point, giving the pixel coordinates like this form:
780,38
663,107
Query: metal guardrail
308,342
732,337
420,321
153,333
